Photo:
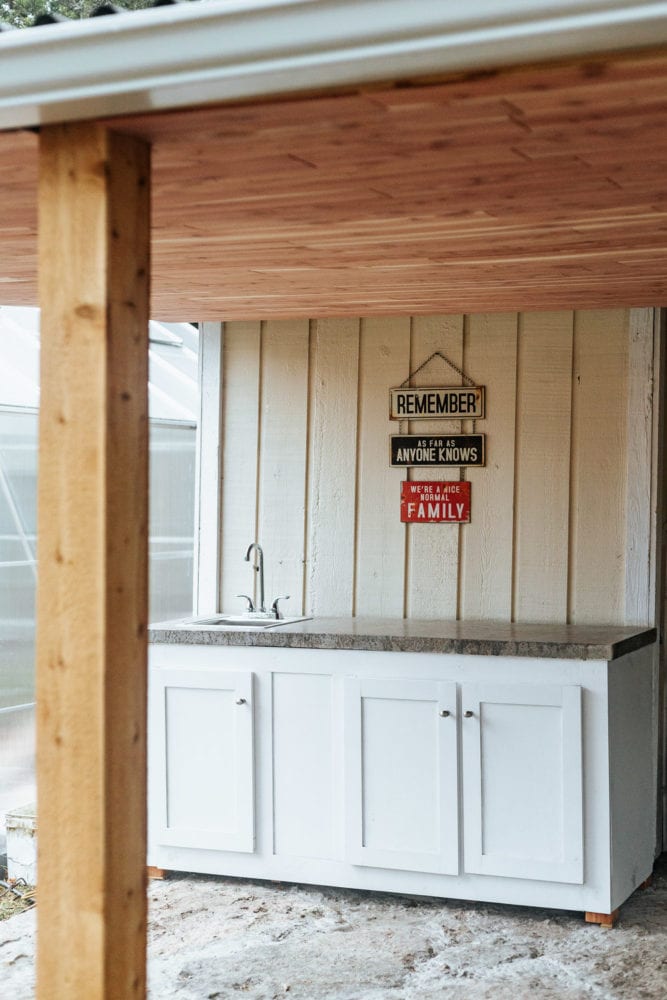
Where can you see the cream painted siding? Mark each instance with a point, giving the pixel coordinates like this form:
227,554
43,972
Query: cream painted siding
562,514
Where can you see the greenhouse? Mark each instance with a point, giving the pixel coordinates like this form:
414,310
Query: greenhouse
173,405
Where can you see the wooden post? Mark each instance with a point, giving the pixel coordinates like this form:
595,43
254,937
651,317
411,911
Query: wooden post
92,587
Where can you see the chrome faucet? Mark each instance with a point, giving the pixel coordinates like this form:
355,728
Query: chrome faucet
259,568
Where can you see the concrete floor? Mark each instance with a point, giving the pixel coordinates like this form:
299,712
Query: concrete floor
213,938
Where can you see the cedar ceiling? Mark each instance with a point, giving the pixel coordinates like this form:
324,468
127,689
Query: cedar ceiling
530,188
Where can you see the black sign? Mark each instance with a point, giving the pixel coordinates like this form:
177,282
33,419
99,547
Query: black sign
443,450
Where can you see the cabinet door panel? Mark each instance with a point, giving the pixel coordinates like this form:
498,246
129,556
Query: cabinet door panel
522,781
205,727
401,774
304,766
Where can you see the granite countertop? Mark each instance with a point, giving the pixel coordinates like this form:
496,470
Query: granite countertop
573,642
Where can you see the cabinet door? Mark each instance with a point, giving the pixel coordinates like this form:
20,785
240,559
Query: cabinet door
522,781
401,768
204,759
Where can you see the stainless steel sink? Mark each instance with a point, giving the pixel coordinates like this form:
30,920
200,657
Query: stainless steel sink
247,621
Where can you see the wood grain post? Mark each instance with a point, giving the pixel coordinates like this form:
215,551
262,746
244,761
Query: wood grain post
92,587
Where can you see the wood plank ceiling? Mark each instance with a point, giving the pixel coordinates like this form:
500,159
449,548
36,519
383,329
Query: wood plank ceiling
531,188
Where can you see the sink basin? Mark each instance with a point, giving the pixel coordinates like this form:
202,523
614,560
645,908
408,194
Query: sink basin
247,621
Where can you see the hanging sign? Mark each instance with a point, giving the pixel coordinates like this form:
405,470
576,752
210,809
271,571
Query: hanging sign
444,450
454,402
426,503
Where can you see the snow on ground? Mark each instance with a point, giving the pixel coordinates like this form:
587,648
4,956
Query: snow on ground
213,938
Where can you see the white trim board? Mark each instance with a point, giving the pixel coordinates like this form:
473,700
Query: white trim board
193,54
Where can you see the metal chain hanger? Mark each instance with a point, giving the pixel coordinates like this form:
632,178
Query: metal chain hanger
465,379
438,354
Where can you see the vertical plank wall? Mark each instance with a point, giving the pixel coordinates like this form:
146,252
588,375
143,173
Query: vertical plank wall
561,514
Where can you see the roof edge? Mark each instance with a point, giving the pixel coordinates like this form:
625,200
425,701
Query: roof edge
193,54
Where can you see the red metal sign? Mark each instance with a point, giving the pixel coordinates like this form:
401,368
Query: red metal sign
425,503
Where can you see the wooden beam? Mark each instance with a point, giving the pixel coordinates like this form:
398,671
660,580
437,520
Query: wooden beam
92,588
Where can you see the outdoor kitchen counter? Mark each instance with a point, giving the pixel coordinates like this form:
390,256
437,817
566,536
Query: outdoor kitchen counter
515,763
562,642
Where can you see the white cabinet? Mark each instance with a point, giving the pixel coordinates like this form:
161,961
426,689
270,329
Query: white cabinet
503,779
522,781
401,774
202,767
520,772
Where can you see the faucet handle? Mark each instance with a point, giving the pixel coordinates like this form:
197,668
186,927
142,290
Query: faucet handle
274,606
251,606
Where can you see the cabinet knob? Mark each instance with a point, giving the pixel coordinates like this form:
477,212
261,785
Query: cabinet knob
240,701
444,714
468,715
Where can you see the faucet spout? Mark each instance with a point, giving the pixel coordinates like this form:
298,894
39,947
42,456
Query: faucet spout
259,568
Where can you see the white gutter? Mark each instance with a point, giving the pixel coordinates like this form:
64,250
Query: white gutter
198,53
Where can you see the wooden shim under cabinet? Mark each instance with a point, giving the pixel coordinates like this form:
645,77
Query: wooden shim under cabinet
603,919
